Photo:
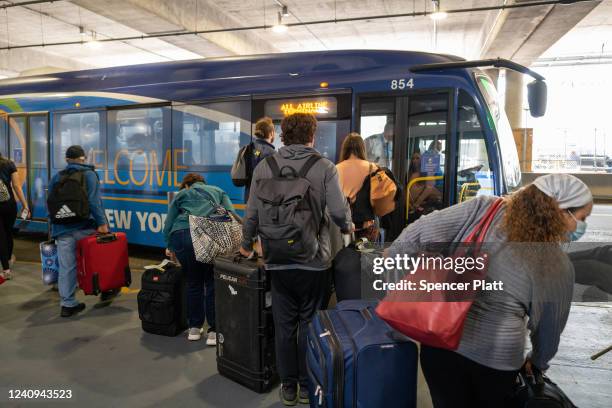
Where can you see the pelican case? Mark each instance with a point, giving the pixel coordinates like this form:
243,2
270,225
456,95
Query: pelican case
245,330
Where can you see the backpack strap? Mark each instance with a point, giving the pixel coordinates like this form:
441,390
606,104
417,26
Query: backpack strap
207,196
308,165
273,166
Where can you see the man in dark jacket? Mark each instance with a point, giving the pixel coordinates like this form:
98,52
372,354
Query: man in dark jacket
299,289
262,146
67,235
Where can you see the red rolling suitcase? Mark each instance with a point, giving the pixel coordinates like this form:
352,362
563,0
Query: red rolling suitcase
102,263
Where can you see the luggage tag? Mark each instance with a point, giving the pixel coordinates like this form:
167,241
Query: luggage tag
161,266
365,246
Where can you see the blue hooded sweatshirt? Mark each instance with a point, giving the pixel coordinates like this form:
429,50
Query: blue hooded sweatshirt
96,210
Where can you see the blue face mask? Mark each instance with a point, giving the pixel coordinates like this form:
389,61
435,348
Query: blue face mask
581,227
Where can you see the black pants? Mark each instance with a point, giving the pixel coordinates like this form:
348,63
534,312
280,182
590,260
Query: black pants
457,382
8,215
296,296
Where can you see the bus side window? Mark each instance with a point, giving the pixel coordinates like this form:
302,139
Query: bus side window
86,129
474,175
136,139
17,140
427,129
210,135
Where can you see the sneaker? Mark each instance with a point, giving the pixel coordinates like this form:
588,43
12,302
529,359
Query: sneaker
288,394
211,338
7,275
71,311
303,396
194,333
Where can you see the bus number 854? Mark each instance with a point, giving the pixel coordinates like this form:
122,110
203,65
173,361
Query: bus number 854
402,83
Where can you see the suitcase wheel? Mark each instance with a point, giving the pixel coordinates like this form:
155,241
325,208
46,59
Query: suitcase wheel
128,276
96,284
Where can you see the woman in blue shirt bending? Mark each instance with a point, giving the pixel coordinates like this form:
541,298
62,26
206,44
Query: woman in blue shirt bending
199,199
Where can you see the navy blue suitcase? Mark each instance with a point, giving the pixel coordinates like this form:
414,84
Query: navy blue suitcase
355,359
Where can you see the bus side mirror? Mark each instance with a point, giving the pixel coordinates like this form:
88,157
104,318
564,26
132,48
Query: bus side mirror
537,95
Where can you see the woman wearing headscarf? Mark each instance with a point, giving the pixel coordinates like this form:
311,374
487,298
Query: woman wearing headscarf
528,234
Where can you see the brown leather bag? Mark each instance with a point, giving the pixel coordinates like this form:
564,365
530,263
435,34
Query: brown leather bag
382,193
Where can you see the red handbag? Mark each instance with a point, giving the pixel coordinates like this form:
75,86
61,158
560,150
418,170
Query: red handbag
434,323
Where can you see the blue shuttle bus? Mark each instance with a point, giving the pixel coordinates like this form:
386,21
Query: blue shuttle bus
433,119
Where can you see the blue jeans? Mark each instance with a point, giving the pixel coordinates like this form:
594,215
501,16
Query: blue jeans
200,281
66,254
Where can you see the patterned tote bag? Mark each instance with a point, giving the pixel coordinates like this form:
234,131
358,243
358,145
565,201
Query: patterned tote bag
217,234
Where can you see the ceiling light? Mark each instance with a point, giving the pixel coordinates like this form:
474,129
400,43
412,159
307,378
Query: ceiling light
437,14
279,28
93,44
285,11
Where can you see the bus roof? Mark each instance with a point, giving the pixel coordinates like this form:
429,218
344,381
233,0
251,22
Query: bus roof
247,68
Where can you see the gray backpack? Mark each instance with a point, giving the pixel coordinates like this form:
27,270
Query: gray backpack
242,167
289,214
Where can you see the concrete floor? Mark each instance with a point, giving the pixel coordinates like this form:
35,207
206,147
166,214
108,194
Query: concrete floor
107,361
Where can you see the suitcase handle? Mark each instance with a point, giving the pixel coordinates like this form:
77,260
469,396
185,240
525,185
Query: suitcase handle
397,336
238,257
105,238
366,313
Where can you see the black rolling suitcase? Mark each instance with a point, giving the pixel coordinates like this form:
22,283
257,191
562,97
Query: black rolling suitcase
245,331
162,306
347,273
350,267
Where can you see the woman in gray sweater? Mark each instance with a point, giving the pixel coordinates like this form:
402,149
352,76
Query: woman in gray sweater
526,237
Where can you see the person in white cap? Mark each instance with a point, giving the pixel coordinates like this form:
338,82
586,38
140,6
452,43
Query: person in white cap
526,238
573,197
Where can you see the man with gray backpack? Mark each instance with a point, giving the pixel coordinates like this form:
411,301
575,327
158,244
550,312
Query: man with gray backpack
294,194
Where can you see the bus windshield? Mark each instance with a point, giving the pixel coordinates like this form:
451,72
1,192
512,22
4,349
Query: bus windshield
499,122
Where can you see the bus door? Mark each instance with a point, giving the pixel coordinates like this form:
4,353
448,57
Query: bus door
473,175
425,162
333,113
28,148
409,135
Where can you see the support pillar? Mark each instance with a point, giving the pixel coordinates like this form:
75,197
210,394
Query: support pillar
515,112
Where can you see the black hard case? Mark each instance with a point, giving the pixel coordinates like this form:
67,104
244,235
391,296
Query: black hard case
245,330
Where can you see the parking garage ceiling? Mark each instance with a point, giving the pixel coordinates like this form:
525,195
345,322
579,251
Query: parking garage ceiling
162,30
